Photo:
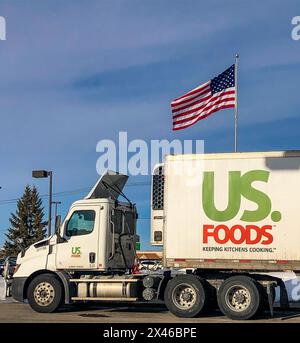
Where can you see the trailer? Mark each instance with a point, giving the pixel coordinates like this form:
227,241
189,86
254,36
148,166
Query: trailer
224,221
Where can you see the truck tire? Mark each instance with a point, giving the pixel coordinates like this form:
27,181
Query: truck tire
45,293
239,297
186,296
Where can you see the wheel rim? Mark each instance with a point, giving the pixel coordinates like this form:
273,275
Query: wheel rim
238,298
184,296
44,294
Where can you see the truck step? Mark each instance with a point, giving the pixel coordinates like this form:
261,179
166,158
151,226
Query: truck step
104,280
104,299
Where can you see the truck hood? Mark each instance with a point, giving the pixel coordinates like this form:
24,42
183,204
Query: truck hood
32,248
109,185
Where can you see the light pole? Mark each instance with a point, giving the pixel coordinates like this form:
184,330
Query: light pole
40,174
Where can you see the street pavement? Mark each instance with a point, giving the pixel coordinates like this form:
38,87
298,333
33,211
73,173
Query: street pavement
123,313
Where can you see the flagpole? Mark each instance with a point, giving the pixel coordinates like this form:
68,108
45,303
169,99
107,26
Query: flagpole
236,100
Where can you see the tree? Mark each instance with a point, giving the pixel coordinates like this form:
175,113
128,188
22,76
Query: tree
27,224
2,253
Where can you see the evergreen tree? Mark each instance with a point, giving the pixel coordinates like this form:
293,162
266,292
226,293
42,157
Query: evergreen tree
27,225
2,253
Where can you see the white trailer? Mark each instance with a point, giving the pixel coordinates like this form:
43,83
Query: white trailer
227,220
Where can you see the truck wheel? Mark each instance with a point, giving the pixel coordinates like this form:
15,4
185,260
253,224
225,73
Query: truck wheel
45,293
186,296
239,297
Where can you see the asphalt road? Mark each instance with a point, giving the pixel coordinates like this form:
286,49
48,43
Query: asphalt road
12,312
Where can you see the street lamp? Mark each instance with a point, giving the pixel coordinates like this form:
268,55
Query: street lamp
40,174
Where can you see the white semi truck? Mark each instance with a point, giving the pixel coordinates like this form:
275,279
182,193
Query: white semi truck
224,221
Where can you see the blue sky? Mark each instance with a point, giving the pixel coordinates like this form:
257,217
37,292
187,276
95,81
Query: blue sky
75,72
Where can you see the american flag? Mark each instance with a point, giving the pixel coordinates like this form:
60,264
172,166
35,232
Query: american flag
208,98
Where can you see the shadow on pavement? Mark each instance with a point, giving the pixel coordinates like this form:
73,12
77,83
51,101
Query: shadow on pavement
285,314
90,308
122,307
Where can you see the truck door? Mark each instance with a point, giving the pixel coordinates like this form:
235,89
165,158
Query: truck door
81,232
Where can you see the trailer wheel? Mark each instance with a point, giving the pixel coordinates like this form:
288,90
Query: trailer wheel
239,297
45,293
186,296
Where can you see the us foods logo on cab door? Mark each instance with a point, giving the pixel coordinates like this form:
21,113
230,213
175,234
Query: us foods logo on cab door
76,252
238,186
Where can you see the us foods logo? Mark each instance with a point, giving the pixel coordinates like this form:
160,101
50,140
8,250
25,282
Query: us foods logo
238,186
76,252
2,28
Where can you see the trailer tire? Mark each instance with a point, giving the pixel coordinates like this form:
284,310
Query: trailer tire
186,296
45,293
240,297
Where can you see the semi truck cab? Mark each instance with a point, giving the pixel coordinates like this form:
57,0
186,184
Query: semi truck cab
97,236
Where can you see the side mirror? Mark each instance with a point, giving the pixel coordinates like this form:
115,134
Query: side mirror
60,239
57,224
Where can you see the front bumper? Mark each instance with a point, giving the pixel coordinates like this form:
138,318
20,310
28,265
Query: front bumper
17,288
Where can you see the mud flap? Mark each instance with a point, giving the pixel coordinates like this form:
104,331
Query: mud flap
270,293
284,299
